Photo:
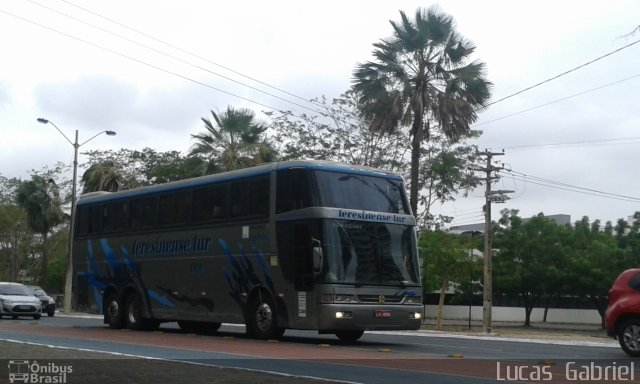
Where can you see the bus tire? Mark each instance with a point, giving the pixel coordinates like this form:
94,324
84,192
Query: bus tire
262,321
113,312
349,336
133,313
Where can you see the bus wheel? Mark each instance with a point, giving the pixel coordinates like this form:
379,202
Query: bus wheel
349,336
262,321
132,316
113,312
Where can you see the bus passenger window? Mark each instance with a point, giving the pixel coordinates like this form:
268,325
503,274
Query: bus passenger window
114,217
143,213
292,190
209,203
250,198
174,208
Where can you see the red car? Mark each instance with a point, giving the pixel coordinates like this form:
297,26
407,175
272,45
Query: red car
623,313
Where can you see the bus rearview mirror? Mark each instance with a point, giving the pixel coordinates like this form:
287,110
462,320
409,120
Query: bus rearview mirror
318,257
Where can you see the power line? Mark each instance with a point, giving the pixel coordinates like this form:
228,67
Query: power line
559,100
567,187
170,55
137,60
620,140
187,52
563,73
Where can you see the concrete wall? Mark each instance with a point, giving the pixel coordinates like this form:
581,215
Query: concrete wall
555,315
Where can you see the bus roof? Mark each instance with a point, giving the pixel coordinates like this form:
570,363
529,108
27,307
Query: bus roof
264,169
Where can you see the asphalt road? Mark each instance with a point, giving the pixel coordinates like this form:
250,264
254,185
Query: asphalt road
380,357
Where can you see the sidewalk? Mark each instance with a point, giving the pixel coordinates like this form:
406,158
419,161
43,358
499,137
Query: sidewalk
537,330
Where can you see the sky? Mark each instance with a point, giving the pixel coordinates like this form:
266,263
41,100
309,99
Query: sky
77,64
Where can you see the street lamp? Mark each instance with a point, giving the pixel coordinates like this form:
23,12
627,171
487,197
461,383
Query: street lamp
69,275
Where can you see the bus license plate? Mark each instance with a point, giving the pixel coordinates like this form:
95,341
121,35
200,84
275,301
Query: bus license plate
380,313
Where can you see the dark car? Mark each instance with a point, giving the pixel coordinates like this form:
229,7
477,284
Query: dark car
18,300
622,317
48,303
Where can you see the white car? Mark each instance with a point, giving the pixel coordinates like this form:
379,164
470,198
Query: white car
18,300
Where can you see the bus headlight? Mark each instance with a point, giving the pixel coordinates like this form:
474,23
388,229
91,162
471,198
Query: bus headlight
338,298
344,298
343,315
413,300
415,316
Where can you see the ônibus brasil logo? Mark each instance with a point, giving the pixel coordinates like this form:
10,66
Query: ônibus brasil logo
32,372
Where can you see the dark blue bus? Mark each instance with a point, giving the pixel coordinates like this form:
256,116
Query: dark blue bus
299,244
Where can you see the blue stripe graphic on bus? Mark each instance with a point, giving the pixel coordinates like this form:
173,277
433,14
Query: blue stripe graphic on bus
263,268
242,276
125,269
94,281
161,299
110,258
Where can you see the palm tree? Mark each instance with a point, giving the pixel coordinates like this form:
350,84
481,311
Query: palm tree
421,77
40,198
104,176
232,140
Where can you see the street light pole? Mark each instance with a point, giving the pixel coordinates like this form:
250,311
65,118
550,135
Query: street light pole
68,283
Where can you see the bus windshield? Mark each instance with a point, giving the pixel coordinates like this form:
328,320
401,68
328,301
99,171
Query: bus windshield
363,253
347,190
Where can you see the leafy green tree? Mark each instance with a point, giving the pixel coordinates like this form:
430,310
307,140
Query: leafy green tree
233,139
59,259
102,177
530,259
15,239
595,262
447,260
341,134
8,188
147,166
40,198
445,171
337,134
422,78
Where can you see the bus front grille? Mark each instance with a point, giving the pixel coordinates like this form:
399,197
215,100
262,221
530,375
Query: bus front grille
380,299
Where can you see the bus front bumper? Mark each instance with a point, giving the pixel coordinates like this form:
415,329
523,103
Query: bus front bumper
369,317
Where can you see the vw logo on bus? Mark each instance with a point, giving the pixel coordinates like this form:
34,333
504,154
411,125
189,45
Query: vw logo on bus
381,299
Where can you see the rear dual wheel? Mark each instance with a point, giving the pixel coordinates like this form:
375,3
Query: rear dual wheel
128,314
133,316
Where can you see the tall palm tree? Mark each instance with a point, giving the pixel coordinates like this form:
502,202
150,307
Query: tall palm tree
104,176
40,198
422,77
233,139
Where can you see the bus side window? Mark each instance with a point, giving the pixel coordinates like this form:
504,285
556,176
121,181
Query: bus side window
292,191
114,217
174,208
210,203
144,213
250,198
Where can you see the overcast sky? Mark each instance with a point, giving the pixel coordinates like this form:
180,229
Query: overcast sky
64,69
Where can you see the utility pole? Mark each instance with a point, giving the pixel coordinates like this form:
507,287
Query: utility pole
490,196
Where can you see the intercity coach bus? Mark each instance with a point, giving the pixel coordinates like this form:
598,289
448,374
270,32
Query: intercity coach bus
309,245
